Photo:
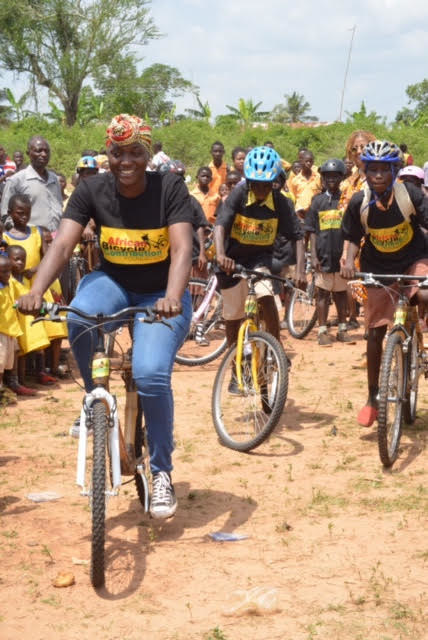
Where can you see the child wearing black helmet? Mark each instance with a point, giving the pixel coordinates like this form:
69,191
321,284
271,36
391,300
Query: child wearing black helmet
323,221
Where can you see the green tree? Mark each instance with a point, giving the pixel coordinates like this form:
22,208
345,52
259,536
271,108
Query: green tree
203,113
15,109
295,109
150,94
364,120
418,114
247,112
61,43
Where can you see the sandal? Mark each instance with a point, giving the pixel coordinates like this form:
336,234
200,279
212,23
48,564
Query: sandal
45,379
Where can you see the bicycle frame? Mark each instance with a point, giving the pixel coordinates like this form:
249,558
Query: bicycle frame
200,311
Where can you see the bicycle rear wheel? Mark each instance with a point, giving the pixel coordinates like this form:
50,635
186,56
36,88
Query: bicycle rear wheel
98,495
244,421
206,339
392,392
413,373
302,312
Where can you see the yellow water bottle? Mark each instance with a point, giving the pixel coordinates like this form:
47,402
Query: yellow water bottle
400,314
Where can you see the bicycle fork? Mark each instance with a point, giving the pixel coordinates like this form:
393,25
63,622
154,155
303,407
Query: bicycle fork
99,393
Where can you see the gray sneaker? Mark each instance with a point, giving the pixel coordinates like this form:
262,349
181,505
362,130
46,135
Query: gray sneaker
163,503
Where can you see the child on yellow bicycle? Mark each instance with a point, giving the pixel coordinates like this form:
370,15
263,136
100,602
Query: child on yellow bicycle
246,227
389,215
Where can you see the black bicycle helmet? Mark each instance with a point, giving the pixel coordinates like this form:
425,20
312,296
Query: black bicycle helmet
333,165
381,151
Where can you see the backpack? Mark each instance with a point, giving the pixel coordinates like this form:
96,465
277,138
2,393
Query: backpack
401,196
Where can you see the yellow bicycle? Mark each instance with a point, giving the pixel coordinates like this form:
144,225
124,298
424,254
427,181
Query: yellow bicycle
259,366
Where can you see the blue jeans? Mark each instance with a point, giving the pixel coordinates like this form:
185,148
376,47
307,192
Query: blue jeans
153,354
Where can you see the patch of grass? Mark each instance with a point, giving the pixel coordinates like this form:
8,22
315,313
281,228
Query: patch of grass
410,501
215,634
52,602
323,502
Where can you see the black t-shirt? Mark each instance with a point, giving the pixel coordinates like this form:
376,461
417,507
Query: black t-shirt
251,229
324,219
133,232
392,244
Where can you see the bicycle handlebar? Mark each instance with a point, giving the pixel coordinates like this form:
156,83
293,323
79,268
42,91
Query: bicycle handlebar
53,310
372,279
241,270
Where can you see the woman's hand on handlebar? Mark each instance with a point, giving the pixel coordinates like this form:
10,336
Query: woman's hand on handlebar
30,304
226,264
168,307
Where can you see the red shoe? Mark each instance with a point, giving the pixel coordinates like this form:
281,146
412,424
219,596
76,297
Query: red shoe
367,415
45,378
20,390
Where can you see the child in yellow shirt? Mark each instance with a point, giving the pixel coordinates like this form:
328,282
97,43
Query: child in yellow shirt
10,330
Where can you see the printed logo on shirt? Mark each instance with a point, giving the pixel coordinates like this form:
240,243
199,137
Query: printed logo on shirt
253,231
330,219
393,238
134,246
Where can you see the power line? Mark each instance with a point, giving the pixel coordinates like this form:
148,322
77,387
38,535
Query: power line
348,62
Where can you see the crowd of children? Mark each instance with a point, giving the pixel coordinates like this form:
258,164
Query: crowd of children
319,197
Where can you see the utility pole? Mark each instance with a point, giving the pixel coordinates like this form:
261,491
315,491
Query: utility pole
348,62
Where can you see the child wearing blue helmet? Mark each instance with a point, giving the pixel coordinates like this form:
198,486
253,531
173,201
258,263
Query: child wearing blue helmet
389,216
246,227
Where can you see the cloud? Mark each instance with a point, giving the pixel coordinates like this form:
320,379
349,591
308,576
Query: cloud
262,50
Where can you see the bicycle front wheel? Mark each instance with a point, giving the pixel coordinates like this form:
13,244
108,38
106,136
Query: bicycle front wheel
244,420
206,339
98,495
302,312
413,373
392,392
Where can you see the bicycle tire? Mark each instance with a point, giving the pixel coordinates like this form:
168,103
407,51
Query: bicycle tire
244,421
191,353
302,311
140,451
98,499
392,387
413,373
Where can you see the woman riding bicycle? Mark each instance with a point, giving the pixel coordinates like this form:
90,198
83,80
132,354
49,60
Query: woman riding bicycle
128,204
389,216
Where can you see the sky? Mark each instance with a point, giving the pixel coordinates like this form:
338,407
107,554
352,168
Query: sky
264,49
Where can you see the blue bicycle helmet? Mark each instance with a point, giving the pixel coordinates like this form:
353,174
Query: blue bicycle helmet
381,151
87,162
262,164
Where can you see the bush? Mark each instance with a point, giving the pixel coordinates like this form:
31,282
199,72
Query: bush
190,140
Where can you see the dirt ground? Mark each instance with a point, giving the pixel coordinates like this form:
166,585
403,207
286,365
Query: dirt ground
342,541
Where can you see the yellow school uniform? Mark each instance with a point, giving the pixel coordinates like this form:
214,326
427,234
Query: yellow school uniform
33,337
9,323
32,244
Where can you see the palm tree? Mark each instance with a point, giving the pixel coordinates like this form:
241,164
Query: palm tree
204,112
247,112
294,110
16,105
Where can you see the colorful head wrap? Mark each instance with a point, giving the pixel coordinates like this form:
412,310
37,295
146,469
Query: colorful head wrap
125,129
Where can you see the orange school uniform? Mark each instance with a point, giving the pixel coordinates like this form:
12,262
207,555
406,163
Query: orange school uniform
208,201
304,189
219,177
